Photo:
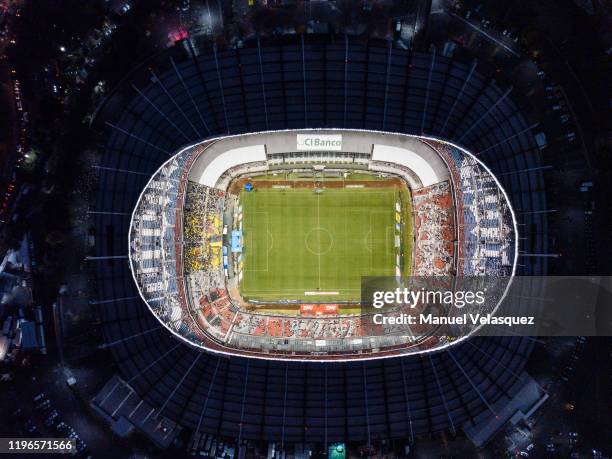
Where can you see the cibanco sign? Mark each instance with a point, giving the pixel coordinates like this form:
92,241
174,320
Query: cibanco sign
309,142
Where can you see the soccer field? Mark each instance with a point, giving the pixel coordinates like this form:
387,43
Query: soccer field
314,247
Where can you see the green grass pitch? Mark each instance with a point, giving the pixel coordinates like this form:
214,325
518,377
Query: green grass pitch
298,241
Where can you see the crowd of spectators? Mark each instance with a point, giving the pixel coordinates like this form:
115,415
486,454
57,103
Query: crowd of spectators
484,220
465,210
435,230
202,216
297,327
216,313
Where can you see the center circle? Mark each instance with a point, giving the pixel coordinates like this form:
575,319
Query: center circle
319,241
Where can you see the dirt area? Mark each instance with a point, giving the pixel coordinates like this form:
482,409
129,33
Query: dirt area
238,185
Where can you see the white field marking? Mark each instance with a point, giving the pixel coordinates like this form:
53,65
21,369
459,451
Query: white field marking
319,225
269,233
267,248
301,292
392,230
371,244
382,193
266,240
342,191
345,235
321,293
319,230
370,192
392,242
370,247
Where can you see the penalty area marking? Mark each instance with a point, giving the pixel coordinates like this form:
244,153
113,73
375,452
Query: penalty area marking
269,242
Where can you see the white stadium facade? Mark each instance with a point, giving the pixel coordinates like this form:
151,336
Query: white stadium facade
195,306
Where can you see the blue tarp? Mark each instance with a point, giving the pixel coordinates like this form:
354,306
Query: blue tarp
236,241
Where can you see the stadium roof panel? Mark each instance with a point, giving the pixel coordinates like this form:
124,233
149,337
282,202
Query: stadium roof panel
216,165
408,397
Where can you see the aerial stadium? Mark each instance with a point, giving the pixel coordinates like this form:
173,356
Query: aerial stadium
198,329
210,211
256,244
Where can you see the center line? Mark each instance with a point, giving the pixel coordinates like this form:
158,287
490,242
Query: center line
319,231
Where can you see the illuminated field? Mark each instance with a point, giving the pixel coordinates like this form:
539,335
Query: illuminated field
314,247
